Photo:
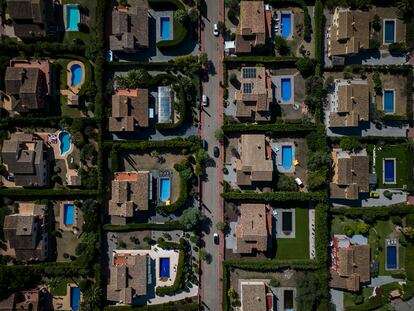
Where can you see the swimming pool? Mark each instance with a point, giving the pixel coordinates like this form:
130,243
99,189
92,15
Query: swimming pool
389,170
388,101
165,24
165,189
76,74
72,17
287,155
64,138
286,89
68,214
391,257
287,221
75,298
164,267
389,31
288,300
286,25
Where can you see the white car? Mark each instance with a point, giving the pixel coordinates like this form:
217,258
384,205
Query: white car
204,100
215,30
298,181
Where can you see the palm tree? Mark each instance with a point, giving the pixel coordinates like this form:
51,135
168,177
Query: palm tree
92,297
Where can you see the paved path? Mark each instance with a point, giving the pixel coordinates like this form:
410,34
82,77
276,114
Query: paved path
211,119
337,299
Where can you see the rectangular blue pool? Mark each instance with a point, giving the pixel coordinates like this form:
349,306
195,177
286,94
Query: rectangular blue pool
391,257
389,31
68,214
75,298
285,25
287,221
165,189
286,89
389,101
389,171
72,17
287,157
165,24
164,267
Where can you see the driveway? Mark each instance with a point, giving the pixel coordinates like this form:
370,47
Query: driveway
211,120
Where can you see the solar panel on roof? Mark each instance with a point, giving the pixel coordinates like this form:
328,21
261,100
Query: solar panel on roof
249,73
247,88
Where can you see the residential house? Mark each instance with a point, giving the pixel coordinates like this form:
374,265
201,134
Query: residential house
27,233
350,174
26,87
253,229
350,264
254,97
253,30
128,277
349,32
131,192
129,28
31,18
129,110
25,157
350,103
37,299
255,164
255,296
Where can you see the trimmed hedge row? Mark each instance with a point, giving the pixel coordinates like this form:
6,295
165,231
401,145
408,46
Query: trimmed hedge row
173,225
377,211
319,32
322,234
261,128
53,193
170,306
147,65
275,196
260,264
260,59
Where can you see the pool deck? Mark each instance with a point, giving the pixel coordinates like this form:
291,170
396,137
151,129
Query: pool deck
74,88
277,156
62,225
395,243
157,16
279,234
63,302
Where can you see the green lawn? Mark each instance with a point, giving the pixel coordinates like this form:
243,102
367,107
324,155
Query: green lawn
72,112
382,229
404,162
60,289
297,248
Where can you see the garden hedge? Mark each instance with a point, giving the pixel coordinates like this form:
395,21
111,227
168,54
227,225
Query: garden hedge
173,225
377,211
275,196
260,59
170,306
50,193
322,234
319,32
262,128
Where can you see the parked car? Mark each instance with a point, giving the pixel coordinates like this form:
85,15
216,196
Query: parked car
10,177
298,181
216,151
216,238
204,100
374,194
215,30
204,144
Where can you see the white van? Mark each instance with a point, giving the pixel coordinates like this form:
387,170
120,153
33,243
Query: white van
204,101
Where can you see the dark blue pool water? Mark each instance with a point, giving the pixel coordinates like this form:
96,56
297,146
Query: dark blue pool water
392,257
389,32
388,101
286,89
389,170
75,298
164,267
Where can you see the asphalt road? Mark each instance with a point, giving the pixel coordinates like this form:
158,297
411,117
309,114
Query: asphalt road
210,188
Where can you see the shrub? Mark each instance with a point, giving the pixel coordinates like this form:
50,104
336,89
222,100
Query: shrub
350,143
318,159
396,47
274,282
377,82
306,66
396,220
316,180
362,228
281,46
376,23
286,183
388,194
181,16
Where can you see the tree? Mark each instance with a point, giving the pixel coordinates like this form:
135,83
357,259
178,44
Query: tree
219,134
193,15
92,297
350,143
316,180
406,8
310,291
362,228
377,82
203,59
133,79
203,254
317,160
88,153
281,46
286,183
233,78
181,16
315,92
306,66
190,218
221,27
223,227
